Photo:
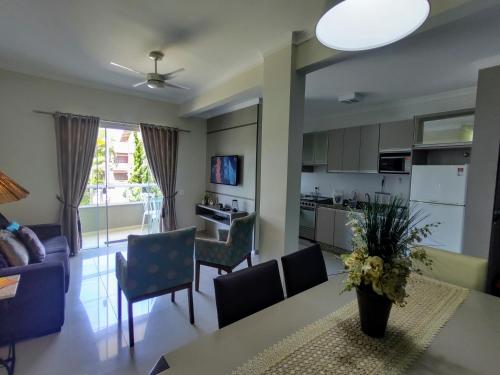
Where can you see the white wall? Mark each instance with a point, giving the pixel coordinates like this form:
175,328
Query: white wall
28,149
347,182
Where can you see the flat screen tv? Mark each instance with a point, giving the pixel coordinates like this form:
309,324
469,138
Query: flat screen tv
224,170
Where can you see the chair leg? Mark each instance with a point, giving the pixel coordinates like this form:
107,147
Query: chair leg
190,300
119,305
219,271
249,260
173,297
197,277
130,324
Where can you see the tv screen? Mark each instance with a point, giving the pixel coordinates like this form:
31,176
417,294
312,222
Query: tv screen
224,170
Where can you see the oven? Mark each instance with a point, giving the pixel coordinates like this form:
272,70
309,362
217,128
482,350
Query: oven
307,225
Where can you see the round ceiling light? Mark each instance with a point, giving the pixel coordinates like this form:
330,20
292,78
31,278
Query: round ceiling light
356,25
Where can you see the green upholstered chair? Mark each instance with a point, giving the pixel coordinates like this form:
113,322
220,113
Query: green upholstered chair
226,255
463,270
156,264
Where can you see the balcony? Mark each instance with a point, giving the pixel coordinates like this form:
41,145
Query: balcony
109,214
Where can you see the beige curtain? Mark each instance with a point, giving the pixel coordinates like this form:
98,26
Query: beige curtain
76,138
161,144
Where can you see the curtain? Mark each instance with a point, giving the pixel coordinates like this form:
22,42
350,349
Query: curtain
76,138
161,144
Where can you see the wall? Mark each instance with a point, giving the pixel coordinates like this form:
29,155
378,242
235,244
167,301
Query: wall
483,169
234,133
347,182
28,149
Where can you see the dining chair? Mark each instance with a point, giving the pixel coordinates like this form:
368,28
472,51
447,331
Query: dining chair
303,269
243,293
226,255
463,270
156,264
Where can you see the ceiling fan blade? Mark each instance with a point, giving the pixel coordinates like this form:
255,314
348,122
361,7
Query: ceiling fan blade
140,84
124,67
176,86
173,73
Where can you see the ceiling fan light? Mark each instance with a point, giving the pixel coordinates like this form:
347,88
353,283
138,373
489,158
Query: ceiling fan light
357,25
153,84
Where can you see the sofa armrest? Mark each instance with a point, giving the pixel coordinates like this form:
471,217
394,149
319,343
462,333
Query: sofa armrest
38,307
46,231
121,270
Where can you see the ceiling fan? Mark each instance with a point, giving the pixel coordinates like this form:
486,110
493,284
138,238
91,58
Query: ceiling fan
155,80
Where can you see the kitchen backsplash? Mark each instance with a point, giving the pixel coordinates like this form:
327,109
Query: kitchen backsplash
347,182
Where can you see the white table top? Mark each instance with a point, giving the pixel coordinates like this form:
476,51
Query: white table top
9,291
468,344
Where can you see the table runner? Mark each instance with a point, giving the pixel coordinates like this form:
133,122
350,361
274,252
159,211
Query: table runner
335,344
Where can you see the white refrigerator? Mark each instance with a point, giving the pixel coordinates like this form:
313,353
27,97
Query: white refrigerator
439,192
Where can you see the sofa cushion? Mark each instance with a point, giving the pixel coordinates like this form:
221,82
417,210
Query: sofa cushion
3,262
13,249
57,244
32,242
63,258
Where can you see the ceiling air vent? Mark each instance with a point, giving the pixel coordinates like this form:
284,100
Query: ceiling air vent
350,98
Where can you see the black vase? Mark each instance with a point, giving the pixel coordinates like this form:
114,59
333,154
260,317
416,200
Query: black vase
374,311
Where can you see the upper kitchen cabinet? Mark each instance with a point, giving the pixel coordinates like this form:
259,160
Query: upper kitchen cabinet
368,149
315,149
445,129
335,150
396,136
350,152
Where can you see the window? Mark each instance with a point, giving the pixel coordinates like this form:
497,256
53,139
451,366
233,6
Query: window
120,176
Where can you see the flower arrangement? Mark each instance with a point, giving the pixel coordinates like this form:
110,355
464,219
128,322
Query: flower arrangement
384,251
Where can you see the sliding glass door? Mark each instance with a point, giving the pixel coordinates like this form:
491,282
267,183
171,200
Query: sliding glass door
121,197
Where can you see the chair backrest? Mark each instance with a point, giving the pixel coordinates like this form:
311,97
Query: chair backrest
160,261
463,270
240,238
303,269
245,292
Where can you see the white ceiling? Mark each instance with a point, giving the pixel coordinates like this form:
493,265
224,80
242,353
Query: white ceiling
443,59
74,40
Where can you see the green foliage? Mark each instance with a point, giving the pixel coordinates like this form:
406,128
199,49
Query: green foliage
384,239
140,172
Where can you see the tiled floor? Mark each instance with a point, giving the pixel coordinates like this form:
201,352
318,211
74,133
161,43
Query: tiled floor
92,342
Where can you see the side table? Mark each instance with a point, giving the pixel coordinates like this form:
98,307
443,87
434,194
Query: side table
6,293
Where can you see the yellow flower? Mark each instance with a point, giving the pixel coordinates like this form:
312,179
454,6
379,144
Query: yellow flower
373,267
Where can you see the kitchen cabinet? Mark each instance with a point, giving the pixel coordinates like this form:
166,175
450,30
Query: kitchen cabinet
325,221
315,148
350,150
368,148
342,234
335,150
396,136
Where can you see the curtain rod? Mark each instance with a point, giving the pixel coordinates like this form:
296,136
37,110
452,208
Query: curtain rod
118,122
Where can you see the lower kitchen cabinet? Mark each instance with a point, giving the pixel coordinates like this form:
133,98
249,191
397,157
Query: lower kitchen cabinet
343,234
325,221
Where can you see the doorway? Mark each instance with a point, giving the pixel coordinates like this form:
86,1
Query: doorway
121,197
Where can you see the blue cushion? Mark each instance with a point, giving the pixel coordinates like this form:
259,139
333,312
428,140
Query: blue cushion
13,227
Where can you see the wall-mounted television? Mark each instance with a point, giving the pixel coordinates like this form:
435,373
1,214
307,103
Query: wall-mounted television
224,170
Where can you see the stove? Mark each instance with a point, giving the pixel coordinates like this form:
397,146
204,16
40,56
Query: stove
308,206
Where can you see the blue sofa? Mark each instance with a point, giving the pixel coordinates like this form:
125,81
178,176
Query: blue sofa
38,307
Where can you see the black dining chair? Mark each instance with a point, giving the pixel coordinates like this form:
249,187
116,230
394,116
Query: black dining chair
243,293
303,270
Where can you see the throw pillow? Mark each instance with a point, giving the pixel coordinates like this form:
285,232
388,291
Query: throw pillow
13,250
35,247
13,227
3,222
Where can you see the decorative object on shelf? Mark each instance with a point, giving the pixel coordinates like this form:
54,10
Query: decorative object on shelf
235,205
11,191
205,199
384,251
357,25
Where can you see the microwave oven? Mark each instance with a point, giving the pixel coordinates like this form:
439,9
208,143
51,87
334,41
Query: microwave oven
393,162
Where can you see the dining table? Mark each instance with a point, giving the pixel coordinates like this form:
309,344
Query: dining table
469,342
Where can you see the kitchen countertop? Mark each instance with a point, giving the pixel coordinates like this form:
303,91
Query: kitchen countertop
339,207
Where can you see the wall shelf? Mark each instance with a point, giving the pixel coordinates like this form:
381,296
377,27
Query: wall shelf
215,215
